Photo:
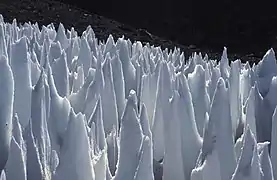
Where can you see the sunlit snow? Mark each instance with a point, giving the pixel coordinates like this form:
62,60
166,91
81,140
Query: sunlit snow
75,108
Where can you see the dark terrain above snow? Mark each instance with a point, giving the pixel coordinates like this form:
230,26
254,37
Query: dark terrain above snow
247,29
240,25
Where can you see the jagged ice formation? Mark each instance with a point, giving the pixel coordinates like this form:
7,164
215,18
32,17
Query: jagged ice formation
74,108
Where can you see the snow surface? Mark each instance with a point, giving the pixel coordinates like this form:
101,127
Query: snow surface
74,108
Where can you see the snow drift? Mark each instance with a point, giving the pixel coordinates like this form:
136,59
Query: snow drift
75,108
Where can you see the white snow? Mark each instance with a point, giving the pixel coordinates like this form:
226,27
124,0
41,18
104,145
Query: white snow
74,108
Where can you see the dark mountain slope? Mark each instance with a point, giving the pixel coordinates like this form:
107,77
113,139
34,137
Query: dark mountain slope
190,27
243,26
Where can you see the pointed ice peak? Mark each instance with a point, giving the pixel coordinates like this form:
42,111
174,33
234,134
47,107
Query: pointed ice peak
197,85
60,74
89,30
224,64
267,66
130,133
206,58
97,119
221,83
14,29
224,56
197,58
166,79
274,81
85,56
20,65
59,113
55,51
110,112
94,89
244,166
73,50
186,100
39,115
132,100
270,56
173,149
3,175
208,72
127,66
45,62
78,99
245,85
110,44
145,166
119,86
61,36
247,65
44,56
234,94
145,122
1,18
46,39
198,69
190,67
183,87
75,160
220,113
91,75
3,45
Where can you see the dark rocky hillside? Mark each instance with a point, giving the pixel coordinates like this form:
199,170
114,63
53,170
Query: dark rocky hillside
241,25
247,29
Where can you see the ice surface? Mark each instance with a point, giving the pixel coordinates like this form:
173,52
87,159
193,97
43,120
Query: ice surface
6,109
74,108
22,80
172,162
131,139
266,164
248,166
274,143
75,159
200,99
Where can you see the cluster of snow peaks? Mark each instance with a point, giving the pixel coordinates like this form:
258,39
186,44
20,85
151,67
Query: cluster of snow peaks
75,108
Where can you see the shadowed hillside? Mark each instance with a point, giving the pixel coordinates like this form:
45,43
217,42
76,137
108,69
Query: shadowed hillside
242,26
247,31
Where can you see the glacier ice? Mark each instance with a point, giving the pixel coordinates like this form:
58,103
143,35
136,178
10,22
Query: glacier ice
6,110
72,107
